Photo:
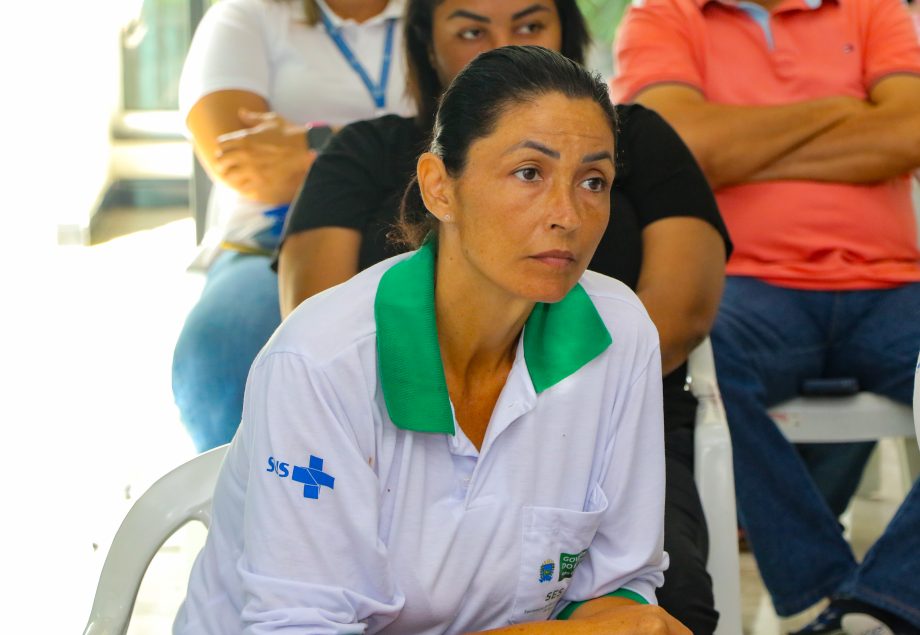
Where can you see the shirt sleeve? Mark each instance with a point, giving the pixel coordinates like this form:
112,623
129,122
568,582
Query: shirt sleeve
312,561
630,538
659,175
892,44
229,51
656,45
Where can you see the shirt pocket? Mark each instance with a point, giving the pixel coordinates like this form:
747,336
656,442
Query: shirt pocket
553,543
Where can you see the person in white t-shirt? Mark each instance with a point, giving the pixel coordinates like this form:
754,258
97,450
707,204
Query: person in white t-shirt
264,82
468,436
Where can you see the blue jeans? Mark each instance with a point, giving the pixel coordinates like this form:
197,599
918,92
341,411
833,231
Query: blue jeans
766,340
236,314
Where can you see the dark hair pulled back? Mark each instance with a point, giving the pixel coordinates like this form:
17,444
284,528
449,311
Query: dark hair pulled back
475,100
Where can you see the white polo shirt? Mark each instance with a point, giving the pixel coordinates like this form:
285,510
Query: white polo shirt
265,47
350,501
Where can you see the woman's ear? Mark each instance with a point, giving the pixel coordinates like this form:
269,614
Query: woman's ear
436,186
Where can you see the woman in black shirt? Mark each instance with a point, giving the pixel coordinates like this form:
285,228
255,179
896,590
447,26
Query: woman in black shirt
665,239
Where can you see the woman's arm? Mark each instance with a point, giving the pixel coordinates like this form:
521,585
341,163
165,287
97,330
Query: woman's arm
680,283
607,616
684,240
315,260
257,153
357,179
312,560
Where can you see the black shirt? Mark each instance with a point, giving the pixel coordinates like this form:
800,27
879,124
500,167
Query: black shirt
358,182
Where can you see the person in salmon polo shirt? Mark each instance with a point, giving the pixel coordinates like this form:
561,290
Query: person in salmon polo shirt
805,117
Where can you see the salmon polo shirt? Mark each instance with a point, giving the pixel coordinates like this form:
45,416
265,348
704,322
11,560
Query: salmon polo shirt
798,234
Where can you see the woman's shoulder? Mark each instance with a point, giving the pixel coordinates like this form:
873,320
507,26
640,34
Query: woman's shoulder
638,124
238,25
334,322
616,303
260,10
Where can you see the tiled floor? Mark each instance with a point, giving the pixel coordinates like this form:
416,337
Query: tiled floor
115,310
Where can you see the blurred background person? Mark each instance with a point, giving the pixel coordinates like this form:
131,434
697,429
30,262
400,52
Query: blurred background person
264,81
806,120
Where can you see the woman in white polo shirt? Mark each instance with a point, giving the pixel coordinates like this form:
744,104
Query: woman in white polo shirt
264,83
466,437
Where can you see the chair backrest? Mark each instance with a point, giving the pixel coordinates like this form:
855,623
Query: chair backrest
182,495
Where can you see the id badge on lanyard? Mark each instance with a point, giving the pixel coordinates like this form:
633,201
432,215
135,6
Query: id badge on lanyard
377,90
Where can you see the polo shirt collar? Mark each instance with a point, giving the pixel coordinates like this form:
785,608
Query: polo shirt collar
558,340
393,11
787,4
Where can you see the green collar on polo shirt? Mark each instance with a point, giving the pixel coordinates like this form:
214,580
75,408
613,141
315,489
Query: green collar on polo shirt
559,339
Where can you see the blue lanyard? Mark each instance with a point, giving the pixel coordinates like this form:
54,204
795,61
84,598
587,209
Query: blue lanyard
378,91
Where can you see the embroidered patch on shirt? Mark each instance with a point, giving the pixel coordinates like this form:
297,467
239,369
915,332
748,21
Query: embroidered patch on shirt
547,569
568,562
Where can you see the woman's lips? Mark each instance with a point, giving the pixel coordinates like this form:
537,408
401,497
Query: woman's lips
556,258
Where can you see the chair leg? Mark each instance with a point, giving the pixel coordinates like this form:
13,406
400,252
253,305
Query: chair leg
909,462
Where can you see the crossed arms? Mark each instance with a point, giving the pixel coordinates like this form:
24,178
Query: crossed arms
840,139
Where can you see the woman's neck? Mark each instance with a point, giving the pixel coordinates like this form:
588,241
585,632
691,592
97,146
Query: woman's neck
478,323
357,10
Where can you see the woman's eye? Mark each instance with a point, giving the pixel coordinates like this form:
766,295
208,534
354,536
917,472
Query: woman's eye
594,184
528,175
470,34
531,28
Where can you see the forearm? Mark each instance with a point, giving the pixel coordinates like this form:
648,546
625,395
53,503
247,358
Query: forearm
734,143
215,115
589,619
607,615
879,145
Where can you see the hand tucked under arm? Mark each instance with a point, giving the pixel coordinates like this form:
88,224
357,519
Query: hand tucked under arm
733,143
879,143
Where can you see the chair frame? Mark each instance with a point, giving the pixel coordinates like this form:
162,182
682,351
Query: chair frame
715,480
181,496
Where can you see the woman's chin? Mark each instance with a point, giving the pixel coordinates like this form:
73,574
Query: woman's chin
550,292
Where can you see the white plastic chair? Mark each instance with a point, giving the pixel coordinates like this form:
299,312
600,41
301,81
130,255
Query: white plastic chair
183,495
715,479
861,417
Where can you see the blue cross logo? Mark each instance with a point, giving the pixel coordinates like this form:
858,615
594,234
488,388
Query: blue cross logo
313,477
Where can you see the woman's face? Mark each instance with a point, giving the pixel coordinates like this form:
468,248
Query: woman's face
533,201
461,29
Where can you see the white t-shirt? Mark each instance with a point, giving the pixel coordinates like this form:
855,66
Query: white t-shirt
266,47
350,501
